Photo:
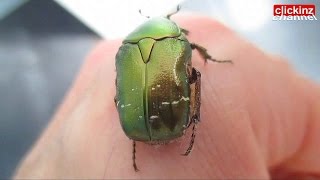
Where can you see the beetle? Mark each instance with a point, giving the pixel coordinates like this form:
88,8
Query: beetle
158,92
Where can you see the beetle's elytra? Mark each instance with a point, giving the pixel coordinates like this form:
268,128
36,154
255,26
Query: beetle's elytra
157,89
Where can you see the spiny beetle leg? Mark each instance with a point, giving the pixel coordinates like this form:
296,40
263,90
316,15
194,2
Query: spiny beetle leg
195,118
204,54
186,32
134,156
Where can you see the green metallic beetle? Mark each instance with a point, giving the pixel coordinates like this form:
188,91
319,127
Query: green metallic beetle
157,89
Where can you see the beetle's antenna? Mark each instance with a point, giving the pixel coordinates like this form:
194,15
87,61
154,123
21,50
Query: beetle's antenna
143,14
175,12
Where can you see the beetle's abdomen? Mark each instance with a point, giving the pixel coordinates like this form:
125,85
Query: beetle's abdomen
153,96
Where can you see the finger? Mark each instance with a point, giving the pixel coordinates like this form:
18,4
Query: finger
283,107
50,157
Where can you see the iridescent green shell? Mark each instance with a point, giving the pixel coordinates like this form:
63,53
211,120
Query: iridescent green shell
152,88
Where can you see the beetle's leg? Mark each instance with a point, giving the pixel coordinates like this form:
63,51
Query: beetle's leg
195,118
193,136
115,97
115,101
177,10
204,54
186,32
134,156
195,77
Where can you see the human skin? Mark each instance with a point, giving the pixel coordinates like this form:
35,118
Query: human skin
259,119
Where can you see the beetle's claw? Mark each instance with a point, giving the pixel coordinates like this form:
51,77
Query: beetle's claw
136,168
188,151
185,154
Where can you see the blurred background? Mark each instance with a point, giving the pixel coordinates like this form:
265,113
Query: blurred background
43,44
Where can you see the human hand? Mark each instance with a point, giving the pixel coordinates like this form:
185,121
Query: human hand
259,119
